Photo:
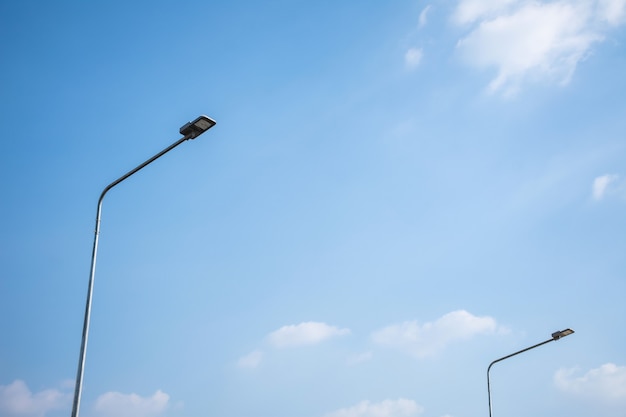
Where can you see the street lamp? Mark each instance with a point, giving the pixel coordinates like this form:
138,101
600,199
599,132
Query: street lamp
555,336
190,130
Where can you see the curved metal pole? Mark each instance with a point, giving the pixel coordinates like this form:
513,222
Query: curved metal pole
506,357
555,336
83,345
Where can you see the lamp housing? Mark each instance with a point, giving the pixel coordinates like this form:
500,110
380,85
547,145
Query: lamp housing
194,129
562,333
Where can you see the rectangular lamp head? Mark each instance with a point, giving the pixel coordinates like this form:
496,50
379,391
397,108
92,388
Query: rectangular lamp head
562,333
194,129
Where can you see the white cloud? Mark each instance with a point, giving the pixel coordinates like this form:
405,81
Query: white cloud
16,400
387,408
413,57
251,360
307,333
601,184
430,338
423,19
115,404
606,384
532,40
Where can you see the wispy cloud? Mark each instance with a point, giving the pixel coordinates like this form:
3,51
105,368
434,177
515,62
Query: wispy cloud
423,19
601,185
606,384
413,57
291,336
469,11
115,404
533,40
251,360
307,333
431,338
16,400
387,408
612,11
360,358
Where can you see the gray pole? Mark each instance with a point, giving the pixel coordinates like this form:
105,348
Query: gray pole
191,132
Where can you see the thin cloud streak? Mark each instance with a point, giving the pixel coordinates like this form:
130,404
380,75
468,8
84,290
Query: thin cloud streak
468,11
360,358
423,18
307,333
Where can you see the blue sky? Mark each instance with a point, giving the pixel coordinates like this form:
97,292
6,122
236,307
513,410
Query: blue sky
395,194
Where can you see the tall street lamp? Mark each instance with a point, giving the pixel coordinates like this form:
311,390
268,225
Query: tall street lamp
190,130
555,336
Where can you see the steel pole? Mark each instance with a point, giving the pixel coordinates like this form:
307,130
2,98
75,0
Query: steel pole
83,345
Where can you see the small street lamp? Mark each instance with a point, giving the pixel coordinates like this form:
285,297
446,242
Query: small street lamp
190,130
555,336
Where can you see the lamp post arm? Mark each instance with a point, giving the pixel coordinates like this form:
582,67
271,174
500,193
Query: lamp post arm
132,171
518,352
83,345
506,357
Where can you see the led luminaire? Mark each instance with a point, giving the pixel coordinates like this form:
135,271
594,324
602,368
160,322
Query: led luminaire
194,129
562,333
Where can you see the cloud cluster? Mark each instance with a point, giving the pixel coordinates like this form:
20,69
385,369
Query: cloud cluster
606,384
530,40
430,338
419,340
16,400
387,408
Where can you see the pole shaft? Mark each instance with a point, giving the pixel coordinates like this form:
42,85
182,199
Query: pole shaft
78,387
